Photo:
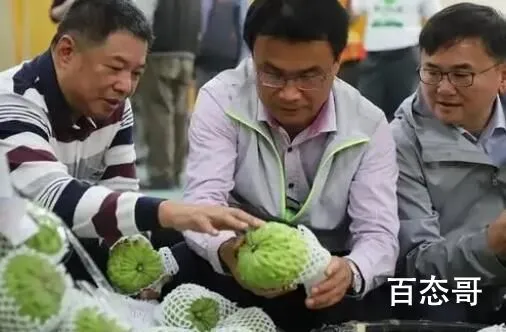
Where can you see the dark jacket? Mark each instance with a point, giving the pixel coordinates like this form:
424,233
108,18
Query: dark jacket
176,26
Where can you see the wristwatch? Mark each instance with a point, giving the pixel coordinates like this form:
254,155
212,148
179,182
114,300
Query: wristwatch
357,281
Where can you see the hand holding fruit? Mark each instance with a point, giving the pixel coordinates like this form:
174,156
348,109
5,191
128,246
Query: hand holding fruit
332,290
228,253
205,218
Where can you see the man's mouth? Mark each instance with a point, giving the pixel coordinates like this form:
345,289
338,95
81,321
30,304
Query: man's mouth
113,103
448,104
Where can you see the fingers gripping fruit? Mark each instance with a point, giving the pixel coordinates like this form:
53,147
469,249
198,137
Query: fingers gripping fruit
272,256
133,264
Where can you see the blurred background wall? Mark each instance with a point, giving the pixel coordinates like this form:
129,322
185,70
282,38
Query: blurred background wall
25,28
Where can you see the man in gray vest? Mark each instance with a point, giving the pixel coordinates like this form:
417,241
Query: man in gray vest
451,147
282,138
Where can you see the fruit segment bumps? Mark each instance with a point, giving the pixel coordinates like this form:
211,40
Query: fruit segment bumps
90,315
272,256
134,265
33,292
49,240
194,308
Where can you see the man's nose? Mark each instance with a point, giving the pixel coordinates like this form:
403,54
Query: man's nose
290,92
445,86
124,84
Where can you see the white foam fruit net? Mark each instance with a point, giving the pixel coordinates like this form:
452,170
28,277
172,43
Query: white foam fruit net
318,260
247,320
90,313
170,265
140,314
176,306
45,218
51,235
34,292
174,313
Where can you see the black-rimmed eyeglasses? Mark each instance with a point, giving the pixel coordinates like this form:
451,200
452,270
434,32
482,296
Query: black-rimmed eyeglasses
457,78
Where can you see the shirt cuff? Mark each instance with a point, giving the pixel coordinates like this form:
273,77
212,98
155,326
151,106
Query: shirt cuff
146,213
361,264
213,246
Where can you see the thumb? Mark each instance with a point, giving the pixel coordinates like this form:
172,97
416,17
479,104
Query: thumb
335,264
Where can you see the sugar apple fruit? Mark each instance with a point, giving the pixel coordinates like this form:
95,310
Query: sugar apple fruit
204,314
194,307
91,319
272,256
48,240
92,314
32,292
133,264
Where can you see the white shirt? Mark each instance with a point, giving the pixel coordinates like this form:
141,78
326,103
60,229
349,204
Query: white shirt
393,24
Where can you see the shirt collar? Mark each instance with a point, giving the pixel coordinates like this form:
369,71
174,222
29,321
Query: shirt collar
58,108
497,122
324,122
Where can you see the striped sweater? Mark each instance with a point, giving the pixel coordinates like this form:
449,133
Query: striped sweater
84,171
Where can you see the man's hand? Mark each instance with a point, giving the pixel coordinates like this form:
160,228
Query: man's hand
204,218
496,234
228,253
331,290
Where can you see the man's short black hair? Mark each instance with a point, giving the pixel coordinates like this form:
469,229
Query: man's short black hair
298,21
463,21
95,20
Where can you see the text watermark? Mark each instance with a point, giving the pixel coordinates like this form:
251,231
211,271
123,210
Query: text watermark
436,291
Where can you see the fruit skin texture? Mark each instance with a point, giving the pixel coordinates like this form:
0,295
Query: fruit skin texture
204,314
35,285
133,264
272,256
89,319
47,240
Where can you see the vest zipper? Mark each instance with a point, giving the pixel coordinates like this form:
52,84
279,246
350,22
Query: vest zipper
338,149
282,171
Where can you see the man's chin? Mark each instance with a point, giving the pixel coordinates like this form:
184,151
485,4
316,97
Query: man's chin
102,115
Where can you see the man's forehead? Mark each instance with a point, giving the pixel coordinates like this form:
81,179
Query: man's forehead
457,58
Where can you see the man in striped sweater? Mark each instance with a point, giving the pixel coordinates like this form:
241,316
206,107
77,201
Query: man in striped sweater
66,128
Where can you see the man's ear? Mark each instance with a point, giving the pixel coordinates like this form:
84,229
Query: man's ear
336,66
502,87
64,50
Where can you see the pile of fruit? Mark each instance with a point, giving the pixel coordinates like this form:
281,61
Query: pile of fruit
38,295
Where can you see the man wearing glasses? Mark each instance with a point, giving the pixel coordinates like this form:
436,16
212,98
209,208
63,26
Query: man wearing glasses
283,139
451,148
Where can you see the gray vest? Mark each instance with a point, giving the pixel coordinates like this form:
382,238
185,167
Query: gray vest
259,172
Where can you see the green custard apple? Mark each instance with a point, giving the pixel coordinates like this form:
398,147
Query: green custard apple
91,319
48,240
195,308
133,264
32,291
204,314
272,256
